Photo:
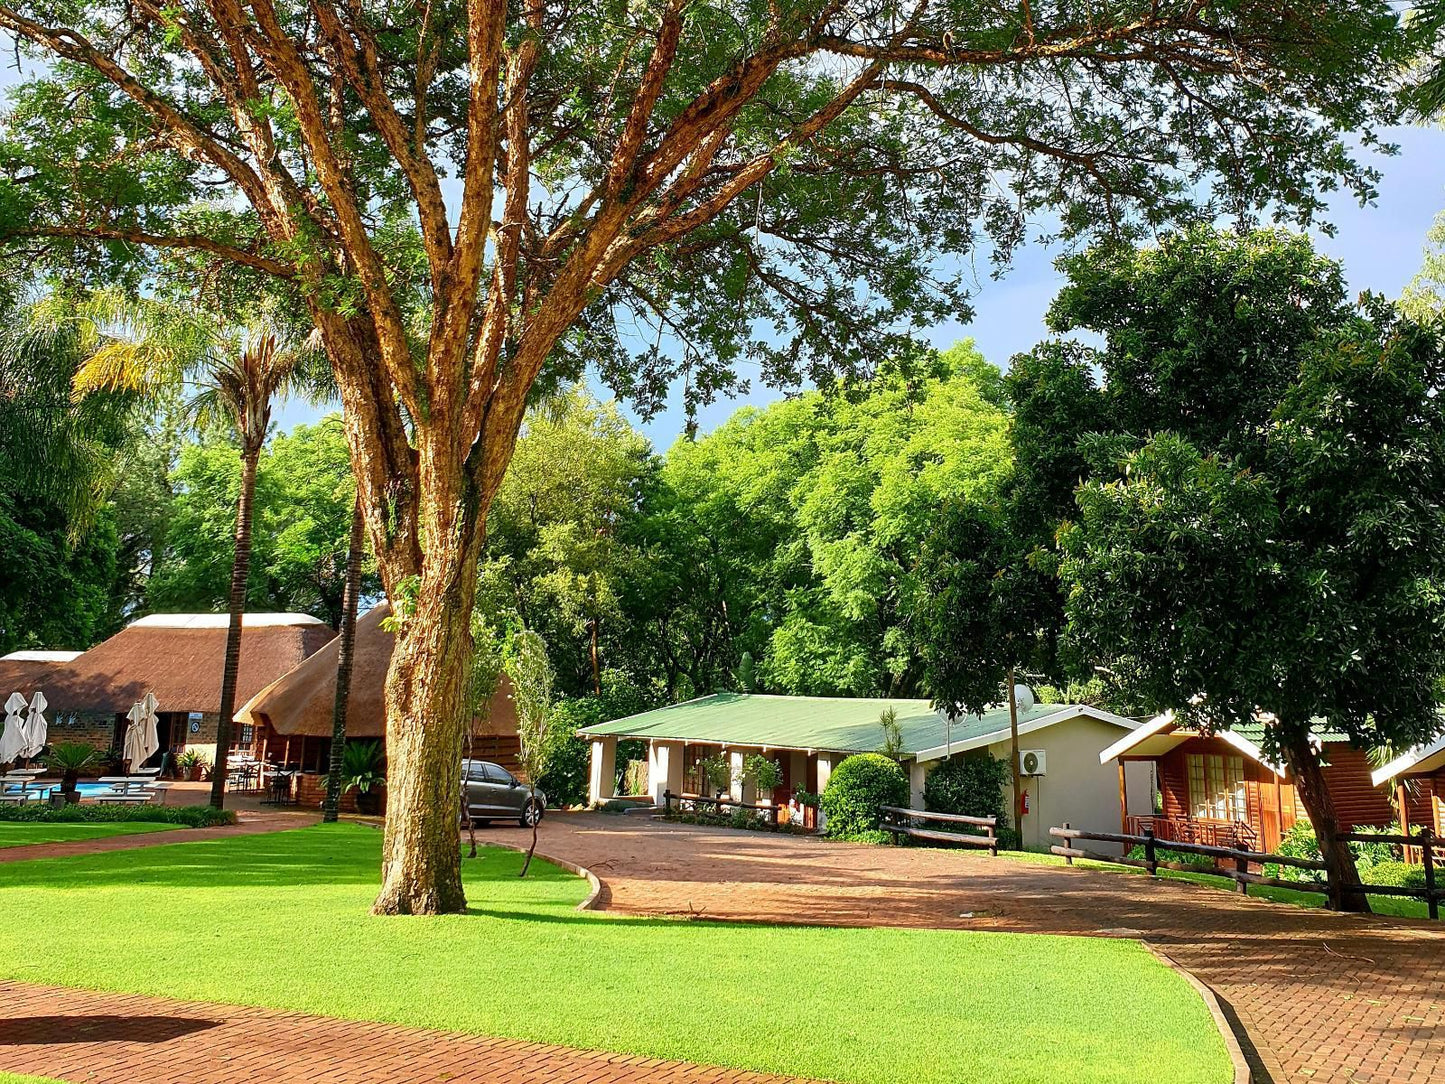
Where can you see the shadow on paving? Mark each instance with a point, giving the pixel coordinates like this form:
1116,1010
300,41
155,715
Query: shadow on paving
100,1028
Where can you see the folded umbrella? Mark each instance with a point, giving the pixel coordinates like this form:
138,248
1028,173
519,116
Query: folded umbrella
37,731
12,738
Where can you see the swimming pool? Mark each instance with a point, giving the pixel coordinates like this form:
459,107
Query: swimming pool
86,790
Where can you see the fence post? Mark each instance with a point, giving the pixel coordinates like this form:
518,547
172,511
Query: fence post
667,802
1427,857
992,841
1241,866
1068,844
1149,852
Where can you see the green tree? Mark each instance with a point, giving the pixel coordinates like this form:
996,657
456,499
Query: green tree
239,371
530,671
1282,554
695,171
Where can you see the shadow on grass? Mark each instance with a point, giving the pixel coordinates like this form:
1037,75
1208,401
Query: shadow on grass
98,1028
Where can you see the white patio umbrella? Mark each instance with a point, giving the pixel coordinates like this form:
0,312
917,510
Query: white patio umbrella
140,736
12,738
37,731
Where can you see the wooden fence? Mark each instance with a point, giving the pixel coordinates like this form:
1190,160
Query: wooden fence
1235,861
900,822
702,801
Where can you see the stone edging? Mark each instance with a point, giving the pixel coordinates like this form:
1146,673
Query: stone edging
1242,1074
590,903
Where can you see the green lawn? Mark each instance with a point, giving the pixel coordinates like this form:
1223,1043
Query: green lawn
21,1078
1399,906
19,833
281,920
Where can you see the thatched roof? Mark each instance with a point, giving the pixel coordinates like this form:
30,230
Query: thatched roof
29,672
179,657
301,702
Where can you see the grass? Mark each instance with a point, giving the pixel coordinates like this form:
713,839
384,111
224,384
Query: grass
1397,906
871,1006
21,1078
19,834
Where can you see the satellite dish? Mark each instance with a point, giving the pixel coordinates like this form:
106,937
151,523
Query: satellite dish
1023,697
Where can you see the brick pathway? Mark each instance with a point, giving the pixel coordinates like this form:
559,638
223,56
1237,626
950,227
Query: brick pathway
249,824
1319,996
77,1035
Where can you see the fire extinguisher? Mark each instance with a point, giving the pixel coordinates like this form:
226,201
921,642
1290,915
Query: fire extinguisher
1026,802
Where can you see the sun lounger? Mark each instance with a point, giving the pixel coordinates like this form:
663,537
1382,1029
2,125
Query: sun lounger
132,789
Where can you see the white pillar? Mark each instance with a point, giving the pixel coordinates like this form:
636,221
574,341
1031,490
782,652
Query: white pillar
826,763
603,776
917,776
664,769
735,759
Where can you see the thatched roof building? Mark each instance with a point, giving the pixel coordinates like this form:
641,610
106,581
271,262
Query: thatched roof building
179,658
29,672
299,704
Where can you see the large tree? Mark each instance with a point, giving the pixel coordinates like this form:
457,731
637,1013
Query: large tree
523,181
1262,530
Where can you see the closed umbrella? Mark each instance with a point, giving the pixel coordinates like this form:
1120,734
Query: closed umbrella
140,736
12,738
37,732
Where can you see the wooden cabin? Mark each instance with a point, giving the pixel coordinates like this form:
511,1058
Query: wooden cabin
1220,789
1419,781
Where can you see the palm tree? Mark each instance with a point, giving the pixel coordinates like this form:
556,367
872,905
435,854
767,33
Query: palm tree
144,346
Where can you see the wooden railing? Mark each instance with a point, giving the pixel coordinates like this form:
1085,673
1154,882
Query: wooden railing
701,801
1192,830
1240,857
900,822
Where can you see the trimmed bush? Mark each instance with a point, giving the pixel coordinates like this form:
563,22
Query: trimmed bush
857,791
970,786
1300,842
192,816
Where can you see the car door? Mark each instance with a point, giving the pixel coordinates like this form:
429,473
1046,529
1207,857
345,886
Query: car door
482,791
509,795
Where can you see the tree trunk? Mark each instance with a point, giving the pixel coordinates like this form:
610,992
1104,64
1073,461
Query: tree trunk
596,661
1304,764
345,649
240,573
1013,726
425,724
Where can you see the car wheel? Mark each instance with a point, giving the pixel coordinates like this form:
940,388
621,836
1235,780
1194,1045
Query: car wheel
531,815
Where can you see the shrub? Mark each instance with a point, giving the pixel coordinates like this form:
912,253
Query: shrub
1300,842
1200,862
716,772
971,786
857,792
192,816
764,773
361,766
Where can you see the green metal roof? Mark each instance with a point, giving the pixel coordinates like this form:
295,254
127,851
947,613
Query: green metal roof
828,723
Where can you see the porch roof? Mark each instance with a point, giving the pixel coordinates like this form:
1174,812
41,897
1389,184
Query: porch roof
1164,733
832,723
1421,760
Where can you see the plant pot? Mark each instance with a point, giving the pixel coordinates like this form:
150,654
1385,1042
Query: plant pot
194,775
368,802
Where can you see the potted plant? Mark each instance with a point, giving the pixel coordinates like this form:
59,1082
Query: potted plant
764,774
803,809
70,758
362,771
717,775
190,764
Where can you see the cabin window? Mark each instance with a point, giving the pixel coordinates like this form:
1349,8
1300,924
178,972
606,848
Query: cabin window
1216,787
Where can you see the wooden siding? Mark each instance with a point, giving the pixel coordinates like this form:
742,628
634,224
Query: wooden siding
1272,805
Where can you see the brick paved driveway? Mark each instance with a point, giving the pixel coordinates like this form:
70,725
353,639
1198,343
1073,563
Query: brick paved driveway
1320,996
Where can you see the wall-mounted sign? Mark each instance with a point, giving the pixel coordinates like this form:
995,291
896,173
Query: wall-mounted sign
194,718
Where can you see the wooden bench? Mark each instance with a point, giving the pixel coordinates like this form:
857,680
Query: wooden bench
899,821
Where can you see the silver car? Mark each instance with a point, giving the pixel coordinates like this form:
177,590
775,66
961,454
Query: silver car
495,794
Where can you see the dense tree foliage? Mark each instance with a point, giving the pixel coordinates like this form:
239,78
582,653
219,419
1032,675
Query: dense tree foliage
303,504
1262,529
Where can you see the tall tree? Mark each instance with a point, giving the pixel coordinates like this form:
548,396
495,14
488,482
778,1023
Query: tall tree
239,372
1273,546
691,170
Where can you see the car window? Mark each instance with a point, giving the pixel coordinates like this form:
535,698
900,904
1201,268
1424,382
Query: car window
498,774
476,772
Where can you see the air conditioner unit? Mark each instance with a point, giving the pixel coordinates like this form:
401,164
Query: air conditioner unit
1032,762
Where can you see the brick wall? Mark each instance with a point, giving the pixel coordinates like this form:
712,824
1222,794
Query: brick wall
95,729
311,792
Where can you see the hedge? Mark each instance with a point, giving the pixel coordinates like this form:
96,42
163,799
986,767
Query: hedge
191,816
